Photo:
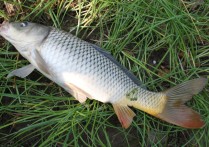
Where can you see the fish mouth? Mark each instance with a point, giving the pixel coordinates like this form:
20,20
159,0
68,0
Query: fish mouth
4,27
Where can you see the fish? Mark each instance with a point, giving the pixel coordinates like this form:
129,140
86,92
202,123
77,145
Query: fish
87,71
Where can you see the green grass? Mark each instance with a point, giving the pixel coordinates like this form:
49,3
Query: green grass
175,34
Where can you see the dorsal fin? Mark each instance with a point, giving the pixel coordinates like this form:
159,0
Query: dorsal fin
126,71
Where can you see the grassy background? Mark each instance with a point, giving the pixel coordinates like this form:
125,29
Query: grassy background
162,42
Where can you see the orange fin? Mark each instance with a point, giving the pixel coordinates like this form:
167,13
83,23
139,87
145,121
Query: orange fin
175,111
125,114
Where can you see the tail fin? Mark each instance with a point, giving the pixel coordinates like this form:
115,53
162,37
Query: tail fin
175,111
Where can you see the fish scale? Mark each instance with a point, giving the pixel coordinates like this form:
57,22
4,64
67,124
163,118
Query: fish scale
82,58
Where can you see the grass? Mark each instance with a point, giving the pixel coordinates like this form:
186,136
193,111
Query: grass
162,42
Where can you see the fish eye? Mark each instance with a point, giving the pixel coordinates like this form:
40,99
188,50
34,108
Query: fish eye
24,24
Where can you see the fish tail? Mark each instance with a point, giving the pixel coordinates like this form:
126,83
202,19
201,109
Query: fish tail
168,105
175,111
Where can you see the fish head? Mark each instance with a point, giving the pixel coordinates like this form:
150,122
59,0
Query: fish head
24,34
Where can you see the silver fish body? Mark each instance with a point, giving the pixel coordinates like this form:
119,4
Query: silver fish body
75,62
87,71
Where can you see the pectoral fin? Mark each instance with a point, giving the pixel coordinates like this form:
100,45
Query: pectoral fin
22,72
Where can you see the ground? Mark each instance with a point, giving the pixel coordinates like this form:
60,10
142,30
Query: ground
162,42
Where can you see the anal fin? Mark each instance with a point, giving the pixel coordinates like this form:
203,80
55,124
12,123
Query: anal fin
124,114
